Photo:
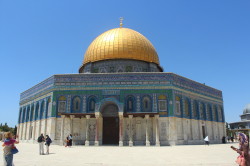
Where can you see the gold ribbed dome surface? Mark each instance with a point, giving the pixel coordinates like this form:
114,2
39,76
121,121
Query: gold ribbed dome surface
121,43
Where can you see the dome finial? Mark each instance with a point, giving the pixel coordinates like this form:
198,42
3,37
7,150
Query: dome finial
121,24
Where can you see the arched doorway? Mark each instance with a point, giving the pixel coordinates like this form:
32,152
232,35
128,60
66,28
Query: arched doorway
110,132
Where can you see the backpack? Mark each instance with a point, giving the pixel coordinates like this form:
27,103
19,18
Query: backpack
40,139
49,141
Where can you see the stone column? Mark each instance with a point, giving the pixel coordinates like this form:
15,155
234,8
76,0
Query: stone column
45,118
97,130
130,130
30,122
71,123
218,123
191,121
26,122
34,128
82,125
19,121
18,130
120,130
212,122
39,118
157,140
199,122
62,129
87,130
206,121
22,123
147,139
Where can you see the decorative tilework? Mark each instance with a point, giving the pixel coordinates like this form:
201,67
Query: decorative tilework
154,103
84,104
118,86
68,104
138,103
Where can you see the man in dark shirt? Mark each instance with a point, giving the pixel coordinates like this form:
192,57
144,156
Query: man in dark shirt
40,141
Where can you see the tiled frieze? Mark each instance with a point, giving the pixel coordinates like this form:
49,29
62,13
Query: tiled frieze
84,104
68,103
120,80
138,103
154,103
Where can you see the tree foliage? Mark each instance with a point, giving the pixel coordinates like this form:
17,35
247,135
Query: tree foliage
5,128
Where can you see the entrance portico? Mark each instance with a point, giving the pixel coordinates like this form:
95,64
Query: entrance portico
110,132
109,125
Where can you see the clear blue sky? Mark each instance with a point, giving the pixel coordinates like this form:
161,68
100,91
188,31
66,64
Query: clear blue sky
206,41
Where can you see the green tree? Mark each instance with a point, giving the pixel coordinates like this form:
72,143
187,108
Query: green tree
6,128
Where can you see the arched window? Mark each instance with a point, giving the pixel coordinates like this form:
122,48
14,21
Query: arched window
62,104
215,116
187,108
76,104
130,104
202,111
23,117
146,104
91,104
20,115
208,112
177,105
42,109
220,114
28,114
48,108
195,109
36,113
32,113
162,103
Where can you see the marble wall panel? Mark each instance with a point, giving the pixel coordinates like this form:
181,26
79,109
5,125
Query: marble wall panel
163,129
179,129
42,126
58,128
92,128
138,129
37,134
195,129
66,127
215,128
76,129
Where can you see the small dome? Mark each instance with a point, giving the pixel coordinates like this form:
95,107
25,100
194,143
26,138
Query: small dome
247,109
121,43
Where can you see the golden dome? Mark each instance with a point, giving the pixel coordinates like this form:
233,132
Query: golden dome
121,43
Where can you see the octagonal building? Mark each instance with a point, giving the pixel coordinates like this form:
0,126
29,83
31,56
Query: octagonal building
121,96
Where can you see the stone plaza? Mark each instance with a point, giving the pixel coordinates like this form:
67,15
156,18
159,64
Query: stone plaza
197,155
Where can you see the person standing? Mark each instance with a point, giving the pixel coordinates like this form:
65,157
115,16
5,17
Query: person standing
70,140
47,143
41,140
243,159
8,145
206,140
67,141
232,138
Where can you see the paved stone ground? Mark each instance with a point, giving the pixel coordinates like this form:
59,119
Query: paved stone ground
197,155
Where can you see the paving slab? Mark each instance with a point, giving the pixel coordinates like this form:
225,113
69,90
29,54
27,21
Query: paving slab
182,155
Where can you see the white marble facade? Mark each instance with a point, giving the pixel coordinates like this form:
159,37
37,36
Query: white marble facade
171,130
